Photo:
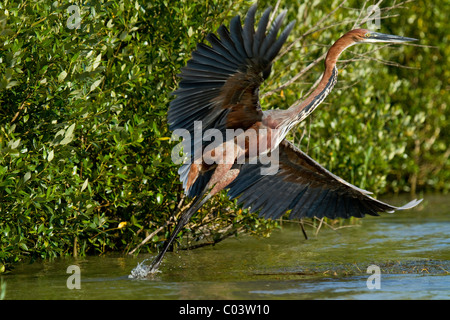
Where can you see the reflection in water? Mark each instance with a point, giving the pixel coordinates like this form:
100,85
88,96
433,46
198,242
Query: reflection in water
411,248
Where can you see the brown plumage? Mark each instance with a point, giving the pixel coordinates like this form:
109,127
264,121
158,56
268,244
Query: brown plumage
220,87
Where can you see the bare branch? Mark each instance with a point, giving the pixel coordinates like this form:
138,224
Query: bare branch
298,75
396,6
366,18
272,16
310,31
357,22
366,56
360,13
171,219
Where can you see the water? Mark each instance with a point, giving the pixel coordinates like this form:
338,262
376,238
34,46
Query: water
412,250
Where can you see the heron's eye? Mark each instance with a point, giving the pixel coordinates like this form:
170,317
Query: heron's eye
367,35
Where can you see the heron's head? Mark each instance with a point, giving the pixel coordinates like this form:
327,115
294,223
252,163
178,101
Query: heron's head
357,36
363,35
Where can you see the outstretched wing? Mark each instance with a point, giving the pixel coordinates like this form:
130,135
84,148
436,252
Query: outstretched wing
303,186
220,83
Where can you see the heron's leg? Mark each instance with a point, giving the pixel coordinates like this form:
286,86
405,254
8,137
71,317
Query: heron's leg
225,178
222,176
157,261
184,219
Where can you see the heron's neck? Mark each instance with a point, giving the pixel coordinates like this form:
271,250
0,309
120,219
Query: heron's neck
326,84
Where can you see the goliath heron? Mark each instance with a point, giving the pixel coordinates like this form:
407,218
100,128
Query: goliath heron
220,87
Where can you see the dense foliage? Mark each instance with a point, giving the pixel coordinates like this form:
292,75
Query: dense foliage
85,164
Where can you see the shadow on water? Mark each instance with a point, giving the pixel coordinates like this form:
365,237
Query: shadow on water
411,250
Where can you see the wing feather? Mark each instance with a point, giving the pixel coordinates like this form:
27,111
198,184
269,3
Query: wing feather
231,66
261,31
303,187
219,85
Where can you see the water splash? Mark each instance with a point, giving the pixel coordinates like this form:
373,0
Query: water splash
142,271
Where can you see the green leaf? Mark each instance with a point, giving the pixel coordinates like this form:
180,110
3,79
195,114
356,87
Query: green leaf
50,156
159,198
85,184
123,35
27,176
62,76
68,136
41,228
97,61
14,144
96,84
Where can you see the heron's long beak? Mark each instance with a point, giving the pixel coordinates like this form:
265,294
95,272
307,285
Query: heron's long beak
382,37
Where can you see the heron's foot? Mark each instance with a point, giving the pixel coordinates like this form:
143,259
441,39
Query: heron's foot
143,271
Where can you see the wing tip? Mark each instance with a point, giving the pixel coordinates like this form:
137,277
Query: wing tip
407,206
410,204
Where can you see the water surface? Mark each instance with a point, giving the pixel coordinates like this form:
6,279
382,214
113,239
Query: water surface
412,250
